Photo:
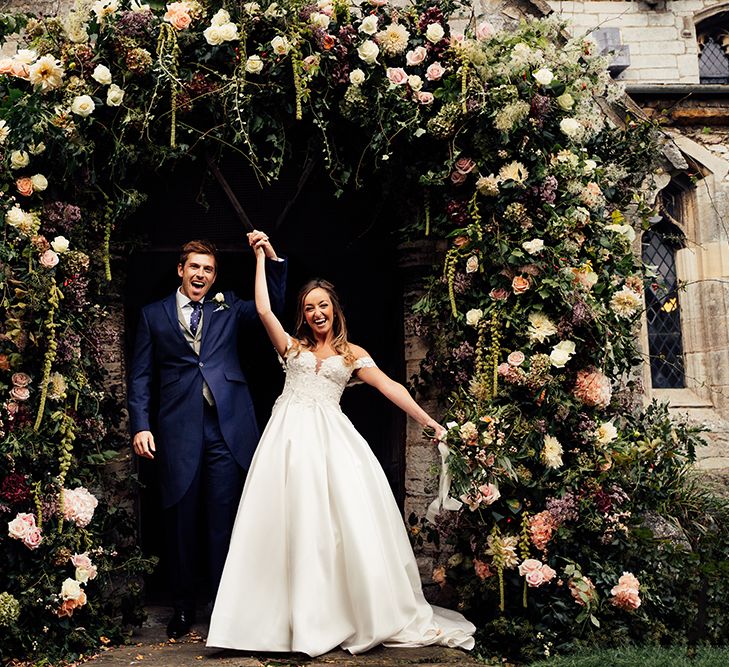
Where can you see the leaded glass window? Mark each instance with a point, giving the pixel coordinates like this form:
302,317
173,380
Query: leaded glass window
712,38
663,310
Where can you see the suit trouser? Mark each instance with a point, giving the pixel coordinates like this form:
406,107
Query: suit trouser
214,494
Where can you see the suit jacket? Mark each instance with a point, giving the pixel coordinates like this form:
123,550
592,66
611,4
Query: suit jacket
161,348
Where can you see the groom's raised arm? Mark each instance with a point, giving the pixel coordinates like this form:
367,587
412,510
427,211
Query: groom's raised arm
276,272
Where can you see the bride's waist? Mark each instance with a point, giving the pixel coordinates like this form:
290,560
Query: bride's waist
295,397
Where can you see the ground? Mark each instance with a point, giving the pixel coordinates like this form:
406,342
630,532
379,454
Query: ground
151,648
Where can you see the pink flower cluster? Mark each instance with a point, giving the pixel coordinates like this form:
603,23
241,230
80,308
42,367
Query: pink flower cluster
592,387
535,572
24,528
79,506
85,569
625,594
486,494
541,529
483,570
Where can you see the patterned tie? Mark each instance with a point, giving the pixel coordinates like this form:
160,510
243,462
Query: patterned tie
195,316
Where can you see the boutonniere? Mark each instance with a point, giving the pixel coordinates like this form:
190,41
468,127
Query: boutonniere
219,299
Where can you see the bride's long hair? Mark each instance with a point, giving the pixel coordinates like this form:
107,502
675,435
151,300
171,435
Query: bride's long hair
303,331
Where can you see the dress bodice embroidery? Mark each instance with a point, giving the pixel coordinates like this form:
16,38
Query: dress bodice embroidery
311,380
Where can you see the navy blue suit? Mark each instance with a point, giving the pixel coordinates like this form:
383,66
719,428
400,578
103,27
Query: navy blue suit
198,445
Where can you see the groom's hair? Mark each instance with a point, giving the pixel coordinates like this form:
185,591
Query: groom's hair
200,247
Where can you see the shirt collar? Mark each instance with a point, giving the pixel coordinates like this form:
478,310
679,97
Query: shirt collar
183,301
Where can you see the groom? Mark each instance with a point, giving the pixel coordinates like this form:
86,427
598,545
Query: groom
206,430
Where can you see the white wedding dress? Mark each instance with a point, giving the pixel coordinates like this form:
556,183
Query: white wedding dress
319,556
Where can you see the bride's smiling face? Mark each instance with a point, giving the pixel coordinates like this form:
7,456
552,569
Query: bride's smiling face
318,311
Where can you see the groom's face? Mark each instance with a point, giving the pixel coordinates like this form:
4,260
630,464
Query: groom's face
198,275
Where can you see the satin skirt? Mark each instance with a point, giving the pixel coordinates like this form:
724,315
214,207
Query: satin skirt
319,556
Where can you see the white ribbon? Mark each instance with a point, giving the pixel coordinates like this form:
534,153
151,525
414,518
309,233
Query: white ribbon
443,501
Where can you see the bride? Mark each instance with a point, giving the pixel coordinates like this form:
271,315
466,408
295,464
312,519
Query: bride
319,556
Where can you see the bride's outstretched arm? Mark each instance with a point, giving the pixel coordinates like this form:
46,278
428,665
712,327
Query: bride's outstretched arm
396,393
263,303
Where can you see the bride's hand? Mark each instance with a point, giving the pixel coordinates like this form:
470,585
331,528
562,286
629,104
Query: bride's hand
259,248
440,433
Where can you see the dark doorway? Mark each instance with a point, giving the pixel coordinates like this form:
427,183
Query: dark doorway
345,240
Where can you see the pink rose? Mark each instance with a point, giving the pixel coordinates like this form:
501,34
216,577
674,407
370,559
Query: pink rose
516,358
484,31
20,379
397,75
33,538
458,178
20,393
426,98
19,527
489,493
499,294
548,573
520,284
25,186
535,578
81,560
49,259
416,56
434,72
457,38
12,407
503,369
465,165
529,565
310,62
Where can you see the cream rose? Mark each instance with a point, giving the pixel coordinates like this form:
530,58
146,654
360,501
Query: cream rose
102,75
319,20
254,65
368,52
434,33
533,247
473,316
71,589
4,131
60,244
570,127
40,182
562,353
472,264
114,95
213,35
368,25
415,82
280,45
543,76
565,101
82,105
221,17
356,77
19,159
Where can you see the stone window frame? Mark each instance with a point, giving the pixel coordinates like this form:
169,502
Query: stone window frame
686,222
713,23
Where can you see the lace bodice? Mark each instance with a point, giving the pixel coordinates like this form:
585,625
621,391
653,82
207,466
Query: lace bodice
318,381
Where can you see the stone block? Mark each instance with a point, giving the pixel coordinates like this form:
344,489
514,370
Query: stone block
661,34
688,65
655,75
659,60
677,47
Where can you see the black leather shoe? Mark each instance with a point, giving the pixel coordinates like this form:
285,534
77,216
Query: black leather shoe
180,623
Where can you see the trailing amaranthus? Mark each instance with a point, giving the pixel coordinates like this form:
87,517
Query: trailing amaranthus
50,326
108,224
495,350
524,549
68,434
297,67
464,86
168,58
498,557
37,501
449,271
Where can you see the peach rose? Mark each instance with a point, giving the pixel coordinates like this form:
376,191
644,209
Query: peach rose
416,56
49,259
396,75
520,284
439,575
20,379
483,570
25,186
178,14
425,98
548,573
534,578
20,393
6,65
434,72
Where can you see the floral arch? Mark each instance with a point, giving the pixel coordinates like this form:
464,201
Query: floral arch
497,142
